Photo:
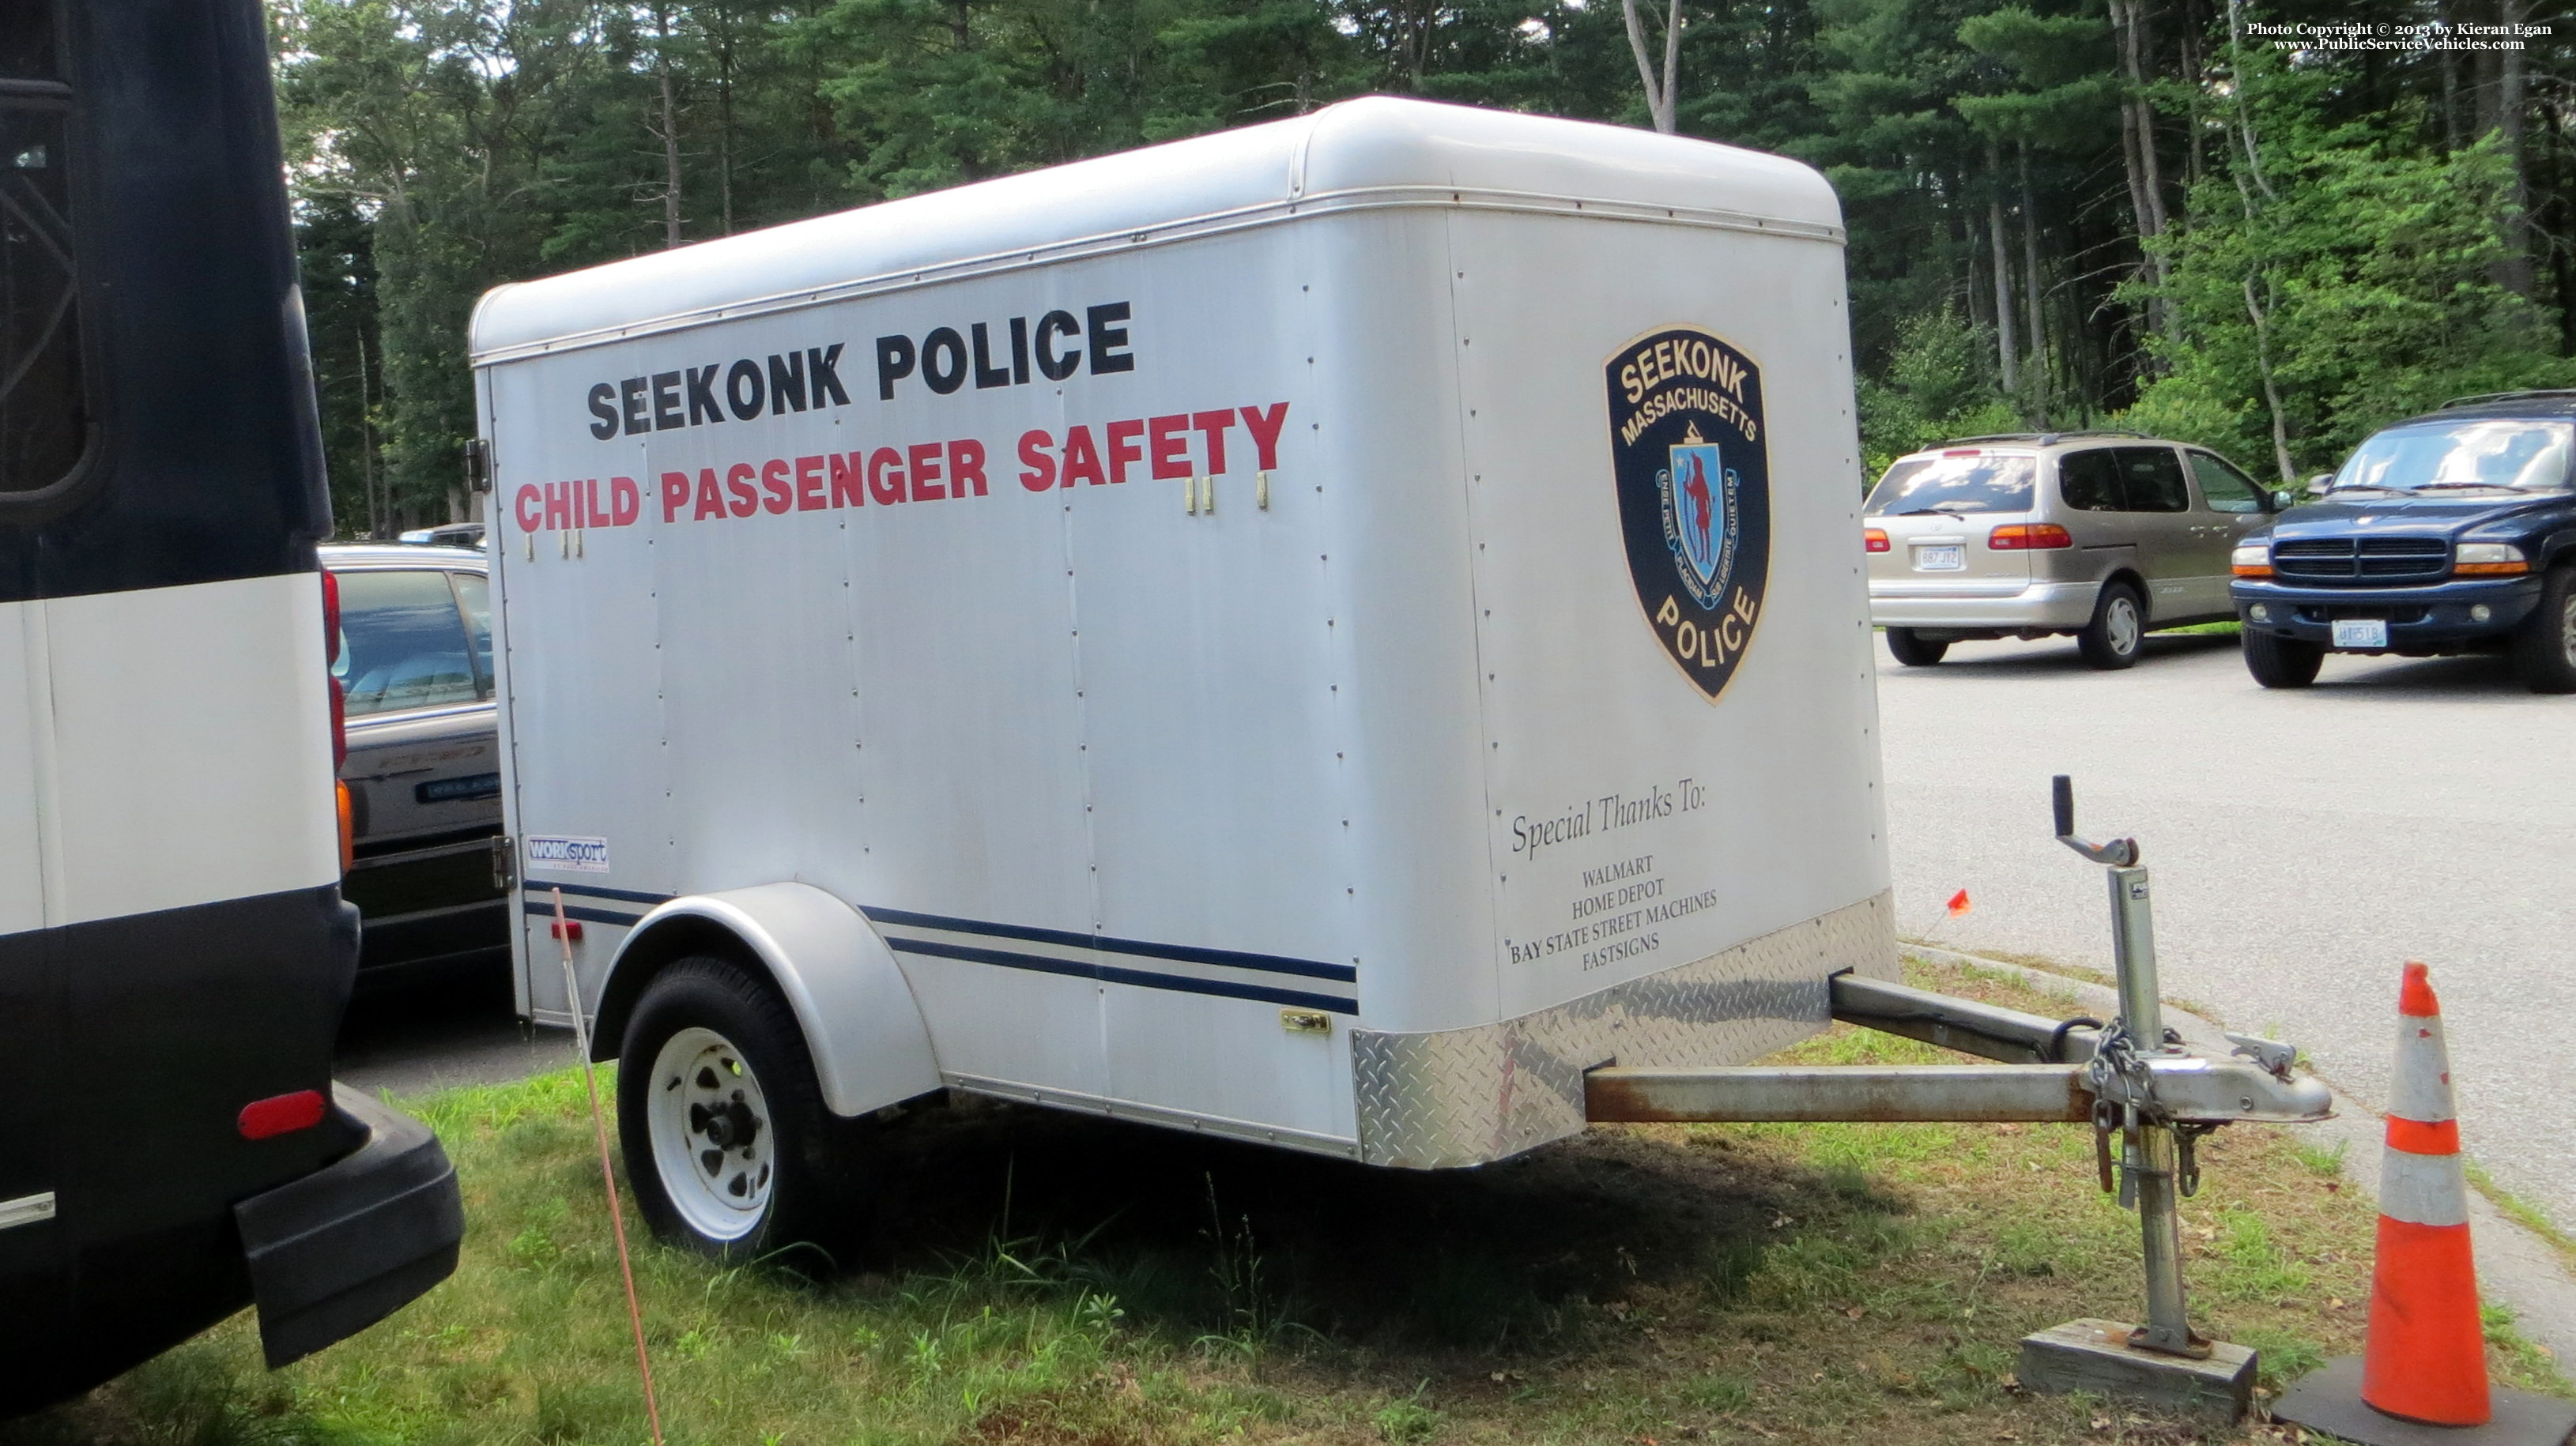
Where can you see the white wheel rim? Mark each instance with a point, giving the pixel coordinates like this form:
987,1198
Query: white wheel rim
714,1148
2120,624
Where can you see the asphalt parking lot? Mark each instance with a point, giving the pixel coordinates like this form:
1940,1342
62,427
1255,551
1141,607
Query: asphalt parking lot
459,1028
2303,844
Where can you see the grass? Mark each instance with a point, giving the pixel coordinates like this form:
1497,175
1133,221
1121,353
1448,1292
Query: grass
2027,961
1047,1280
2522,1212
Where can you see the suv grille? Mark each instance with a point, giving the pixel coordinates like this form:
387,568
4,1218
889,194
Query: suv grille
2362,561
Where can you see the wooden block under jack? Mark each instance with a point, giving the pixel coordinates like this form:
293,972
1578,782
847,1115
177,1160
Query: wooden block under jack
2329,1399
2095,1355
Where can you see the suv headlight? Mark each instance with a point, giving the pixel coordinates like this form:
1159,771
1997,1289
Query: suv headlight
2251,559
2489,559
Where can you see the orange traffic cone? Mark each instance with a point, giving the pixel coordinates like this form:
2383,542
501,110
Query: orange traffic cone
2425,1363
2426,1358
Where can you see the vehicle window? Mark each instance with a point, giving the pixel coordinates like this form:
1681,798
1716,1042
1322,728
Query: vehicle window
1967,482
474,591
44,415
2089,481
2151,478
2222,486
402,643
2500,454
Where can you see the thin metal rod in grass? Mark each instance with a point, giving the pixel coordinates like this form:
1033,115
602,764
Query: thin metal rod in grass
607,1171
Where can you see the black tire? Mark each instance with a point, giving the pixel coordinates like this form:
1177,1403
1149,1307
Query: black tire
2279,662
2544,647
757,1080
1908,647
2118,632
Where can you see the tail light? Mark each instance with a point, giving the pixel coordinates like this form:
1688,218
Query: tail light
331,661
2028,536
1873,539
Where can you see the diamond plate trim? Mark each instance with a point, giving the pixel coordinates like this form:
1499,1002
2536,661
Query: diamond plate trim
1468,1096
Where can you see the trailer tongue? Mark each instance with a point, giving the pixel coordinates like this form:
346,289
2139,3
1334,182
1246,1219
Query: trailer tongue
2130,1079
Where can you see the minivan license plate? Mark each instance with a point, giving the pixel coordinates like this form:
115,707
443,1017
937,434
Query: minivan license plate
1950,557
2361,632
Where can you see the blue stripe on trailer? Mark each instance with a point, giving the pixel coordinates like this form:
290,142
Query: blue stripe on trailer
1112,974
540,904
1183,953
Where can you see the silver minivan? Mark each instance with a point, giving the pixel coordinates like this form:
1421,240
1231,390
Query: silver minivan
2105,535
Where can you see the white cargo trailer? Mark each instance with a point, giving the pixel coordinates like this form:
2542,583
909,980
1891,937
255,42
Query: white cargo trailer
1321,634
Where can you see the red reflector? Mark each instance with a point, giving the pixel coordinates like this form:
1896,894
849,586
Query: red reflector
565,929
281,1114
330,617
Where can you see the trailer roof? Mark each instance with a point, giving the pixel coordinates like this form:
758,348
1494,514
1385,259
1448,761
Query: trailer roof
1376,151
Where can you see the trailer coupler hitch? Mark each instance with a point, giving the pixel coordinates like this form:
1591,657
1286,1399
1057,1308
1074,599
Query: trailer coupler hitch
2131,1078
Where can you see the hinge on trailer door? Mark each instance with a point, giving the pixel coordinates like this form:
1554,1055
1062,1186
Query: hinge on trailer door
505,863
478,465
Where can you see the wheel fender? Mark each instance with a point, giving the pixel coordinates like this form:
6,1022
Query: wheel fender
862,1026
2137,583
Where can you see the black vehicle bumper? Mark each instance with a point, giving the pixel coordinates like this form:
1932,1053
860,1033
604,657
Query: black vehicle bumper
2421,620
342,1248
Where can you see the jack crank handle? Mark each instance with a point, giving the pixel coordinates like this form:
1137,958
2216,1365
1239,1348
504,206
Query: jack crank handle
2119,853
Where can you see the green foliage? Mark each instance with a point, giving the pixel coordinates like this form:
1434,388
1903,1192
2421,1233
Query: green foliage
1407,1421
2059,93
1940,383
2358,271
441,147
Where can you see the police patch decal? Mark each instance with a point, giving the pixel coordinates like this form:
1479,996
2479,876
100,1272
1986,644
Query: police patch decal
1689,457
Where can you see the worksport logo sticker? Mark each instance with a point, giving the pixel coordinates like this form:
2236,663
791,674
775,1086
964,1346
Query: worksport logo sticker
552,852
1687,453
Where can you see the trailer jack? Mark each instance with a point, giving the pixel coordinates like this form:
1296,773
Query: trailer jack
2147,1098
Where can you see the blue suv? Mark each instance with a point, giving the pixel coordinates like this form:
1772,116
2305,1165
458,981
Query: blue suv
2453,532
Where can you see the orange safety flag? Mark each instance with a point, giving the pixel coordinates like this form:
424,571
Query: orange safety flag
1959,903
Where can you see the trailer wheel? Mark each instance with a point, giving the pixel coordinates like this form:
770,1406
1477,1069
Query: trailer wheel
728,1145
1908,647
